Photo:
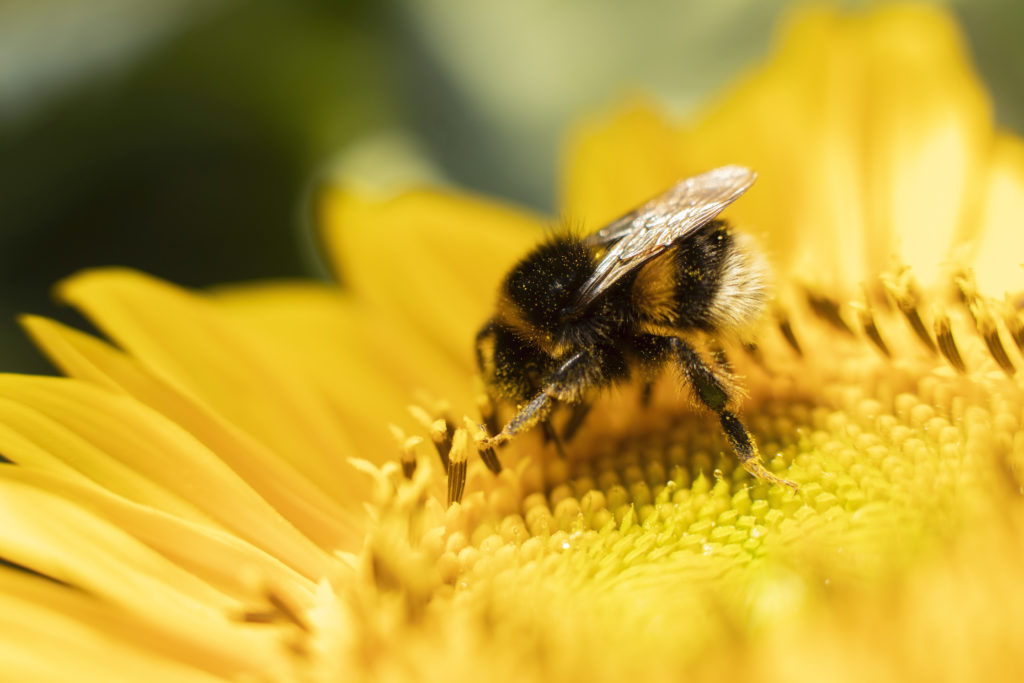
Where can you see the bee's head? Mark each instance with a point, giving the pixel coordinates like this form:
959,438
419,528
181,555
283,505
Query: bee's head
542,286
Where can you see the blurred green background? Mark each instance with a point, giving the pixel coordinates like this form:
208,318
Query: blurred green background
183,137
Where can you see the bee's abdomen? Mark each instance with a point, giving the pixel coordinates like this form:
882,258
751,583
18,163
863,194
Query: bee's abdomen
699,266
711,280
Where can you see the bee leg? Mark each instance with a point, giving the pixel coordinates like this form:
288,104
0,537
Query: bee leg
646,391
576,417
552,436
539,407
711,391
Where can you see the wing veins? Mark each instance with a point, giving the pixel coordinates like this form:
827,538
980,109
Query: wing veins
658,223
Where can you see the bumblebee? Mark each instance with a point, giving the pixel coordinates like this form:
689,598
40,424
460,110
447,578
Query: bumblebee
580,314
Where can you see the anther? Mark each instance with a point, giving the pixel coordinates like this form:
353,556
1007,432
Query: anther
989,331
786,328
870,327
488,412
1015,326
440,431
487,453
280,607
984,321
828,310
947,345
904,291
457,467
866,318
406,449
408,455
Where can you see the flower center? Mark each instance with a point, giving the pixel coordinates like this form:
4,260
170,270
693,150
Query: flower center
893,452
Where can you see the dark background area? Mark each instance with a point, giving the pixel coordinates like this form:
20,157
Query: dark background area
185,140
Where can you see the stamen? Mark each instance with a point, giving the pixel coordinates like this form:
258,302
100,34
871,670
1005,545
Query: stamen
947,345
280,607
989,331
408,456
866,318
870,327
487,453
904,291
984,321
440,430
1014,325
286,607
406,449
786,328
457,468
488,412
828,310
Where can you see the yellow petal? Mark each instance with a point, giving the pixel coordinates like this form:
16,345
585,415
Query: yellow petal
434,259
996,252
117,426
187,343
51,630
37,441
615,163
345,350
221,559
59,539
313,512
929,130
869,137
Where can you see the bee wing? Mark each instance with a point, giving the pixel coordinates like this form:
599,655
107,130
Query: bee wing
655,225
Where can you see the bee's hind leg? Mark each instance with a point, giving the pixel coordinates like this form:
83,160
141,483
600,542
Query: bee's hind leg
712,392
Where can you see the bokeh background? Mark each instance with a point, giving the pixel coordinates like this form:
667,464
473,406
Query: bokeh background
186,137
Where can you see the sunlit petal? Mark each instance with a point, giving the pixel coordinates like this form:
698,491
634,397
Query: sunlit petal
303,504
196,349
433,259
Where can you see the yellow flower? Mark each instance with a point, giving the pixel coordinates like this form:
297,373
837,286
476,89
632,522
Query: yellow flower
219,496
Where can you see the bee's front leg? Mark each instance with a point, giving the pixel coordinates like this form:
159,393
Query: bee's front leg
567,381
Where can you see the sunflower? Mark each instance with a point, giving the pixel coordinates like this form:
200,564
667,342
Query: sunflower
279,482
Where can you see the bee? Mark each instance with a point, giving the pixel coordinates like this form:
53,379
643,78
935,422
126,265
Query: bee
581,314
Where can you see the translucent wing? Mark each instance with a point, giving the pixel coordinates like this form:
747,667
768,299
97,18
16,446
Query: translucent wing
652,227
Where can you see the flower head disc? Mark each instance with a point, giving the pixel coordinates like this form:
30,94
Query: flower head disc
218,497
